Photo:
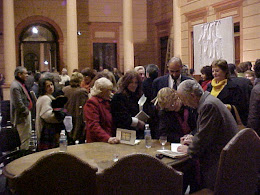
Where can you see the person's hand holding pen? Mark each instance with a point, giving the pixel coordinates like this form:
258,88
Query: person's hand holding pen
185,142
186,139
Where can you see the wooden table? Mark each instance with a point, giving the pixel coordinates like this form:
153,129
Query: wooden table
97,154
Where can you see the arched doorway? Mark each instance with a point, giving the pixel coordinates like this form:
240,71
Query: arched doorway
38,48
46,44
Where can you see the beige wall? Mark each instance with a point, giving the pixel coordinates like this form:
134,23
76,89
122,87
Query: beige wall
84,38
247,12
159,25
2,70
251,30
147,15
54,10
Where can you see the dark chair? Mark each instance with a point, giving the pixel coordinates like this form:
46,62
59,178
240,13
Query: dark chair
5,112
57,173
139,174
239,165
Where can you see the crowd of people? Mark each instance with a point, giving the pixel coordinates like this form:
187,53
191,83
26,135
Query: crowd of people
200,115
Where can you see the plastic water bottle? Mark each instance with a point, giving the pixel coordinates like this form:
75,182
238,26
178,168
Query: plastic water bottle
147,136
63,141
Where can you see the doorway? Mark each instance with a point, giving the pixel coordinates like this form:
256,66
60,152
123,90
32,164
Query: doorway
104,56
38,48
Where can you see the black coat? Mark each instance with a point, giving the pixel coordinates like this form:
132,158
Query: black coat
246,86
162,82
254,109
123,108
231,94
170,126
148,89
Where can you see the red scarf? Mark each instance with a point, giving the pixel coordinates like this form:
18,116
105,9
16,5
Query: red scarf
184,122
27,94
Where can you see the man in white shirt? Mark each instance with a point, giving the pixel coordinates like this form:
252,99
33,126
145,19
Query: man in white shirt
173,79
64,77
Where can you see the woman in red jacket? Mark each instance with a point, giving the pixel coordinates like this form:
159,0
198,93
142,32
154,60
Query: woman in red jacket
97,113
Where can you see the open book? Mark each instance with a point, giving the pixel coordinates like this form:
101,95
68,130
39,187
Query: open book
142,116
173,153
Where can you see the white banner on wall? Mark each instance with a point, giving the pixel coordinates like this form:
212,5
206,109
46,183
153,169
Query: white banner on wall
213,40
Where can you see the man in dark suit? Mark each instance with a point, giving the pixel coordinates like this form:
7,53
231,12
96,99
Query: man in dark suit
21,104
246,86
173,79
254,108
215,128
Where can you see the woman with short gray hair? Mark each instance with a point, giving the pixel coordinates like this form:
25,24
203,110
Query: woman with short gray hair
97,113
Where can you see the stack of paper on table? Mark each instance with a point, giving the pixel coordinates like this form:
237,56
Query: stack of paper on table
173,153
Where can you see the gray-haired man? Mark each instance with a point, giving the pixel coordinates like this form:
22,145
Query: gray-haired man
215,128
21,105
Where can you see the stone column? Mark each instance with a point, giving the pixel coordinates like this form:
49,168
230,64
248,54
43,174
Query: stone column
72,39
42,65
22,54
9,45
176,28
128,35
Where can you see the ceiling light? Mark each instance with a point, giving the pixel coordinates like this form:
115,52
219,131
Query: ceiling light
35,30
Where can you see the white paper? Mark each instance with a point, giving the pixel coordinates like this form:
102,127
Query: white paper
141,102
172,154
142,116
174,147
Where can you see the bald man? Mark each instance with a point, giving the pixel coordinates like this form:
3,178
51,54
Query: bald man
173,79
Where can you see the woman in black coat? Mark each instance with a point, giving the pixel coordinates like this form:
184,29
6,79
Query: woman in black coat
175,120
124,104
224,88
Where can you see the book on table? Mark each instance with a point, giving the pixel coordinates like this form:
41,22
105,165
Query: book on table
173,153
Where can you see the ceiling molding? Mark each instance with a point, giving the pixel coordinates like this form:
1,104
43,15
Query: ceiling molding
227,4
198,13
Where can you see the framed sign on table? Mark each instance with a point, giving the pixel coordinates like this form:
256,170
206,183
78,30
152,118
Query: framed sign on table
126,136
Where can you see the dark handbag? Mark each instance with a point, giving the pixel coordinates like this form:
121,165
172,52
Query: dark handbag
9,138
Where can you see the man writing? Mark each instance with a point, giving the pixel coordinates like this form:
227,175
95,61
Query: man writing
215,128
21,105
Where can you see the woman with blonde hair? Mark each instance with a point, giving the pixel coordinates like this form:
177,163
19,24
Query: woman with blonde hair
224,88
175,119
97,113
77,97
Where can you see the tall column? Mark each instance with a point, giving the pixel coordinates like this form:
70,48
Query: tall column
72,39
128,35
176,28
42,66
9,44
22,54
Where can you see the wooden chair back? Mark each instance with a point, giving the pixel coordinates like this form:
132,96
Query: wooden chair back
57,173
140,174
239,164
